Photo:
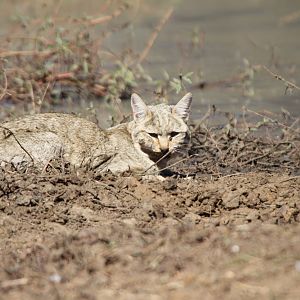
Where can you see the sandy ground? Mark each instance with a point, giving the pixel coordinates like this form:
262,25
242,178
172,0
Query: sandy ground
70,235
224,225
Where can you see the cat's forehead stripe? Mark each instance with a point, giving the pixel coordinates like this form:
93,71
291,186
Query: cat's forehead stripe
162,118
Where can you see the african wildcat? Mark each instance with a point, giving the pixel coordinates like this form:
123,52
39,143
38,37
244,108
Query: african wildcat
156,131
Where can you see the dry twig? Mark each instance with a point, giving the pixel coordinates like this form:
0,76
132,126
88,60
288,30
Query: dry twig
154,34
5,85
288,84
207,115
105,19
44,53
14,136
156,163
272,120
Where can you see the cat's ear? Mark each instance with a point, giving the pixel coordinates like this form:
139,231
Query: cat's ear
182,108
139,108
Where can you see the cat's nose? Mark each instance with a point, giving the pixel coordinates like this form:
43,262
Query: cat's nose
163,143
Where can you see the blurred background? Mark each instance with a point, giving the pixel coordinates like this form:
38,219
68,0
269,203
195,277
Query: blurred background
88,56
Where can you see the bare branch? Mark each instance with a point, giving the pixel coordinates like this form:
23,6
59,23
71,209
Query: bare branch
288,84
5,85
105,19
154,34
14,136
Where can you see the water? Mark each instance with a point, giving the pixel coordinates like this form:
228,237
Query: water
235,32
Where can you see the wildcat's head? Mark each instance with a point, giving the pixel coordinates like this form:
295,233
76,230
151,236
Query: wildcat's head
162,128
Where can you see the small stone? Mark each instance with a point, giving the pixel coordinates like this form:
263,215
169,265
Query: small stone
24,200
231,200
235,249
56,278
130,221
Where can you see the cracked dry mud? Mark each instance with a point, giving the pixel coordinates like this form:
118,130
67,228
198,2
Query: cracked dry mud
217,234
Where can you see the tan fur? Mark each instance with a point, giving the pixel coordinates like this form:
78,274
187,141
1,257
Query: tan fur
127,147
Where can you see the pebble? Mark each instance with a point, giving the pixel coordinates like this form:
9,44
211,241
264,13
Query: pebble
235,249
56,278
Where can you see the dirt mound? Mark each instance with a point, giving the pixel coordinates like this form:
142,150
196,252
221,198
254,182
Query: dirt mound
75,236
224,224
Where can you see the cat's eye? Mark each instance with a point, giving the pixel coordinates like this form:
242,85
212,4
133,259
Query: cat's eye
174,133
154,135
